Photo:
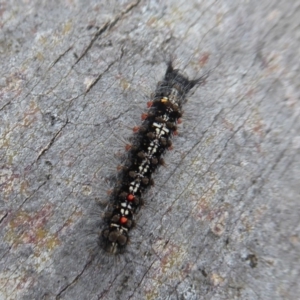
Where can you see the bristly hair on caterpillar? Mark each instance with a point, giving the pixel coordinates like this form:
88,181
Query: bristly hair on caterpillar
150,142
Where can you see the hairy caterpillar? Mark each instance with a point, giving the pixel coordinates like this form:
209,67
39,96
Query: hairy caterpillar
150,142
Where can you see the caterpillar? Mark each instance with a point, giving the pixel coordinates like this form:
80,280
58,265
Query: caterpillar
150,141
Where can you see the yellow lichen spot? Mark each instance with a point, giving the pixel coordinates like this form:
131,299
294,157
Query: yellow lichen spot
4,143
151,21
23,187
40,56
124,84
67,27
209,139
52,242
42,39
216,279
32,105
86,190
10,159
40,234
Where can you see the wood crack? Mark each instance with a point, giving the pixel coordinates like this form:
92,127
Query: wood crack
107,26
45,149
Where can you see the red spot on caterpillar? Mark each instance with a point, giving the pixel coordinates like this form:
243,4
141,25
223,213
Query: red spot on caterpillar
179,121
127,147
149,104
144,116
130,197
119,168
135,129
175,132
123,220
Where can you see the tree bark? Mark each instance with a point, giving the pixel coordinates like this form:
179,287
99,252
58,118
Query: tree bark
222,221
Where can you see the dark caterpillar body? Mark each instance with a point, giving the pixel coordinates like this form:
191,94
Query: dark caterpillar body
151,141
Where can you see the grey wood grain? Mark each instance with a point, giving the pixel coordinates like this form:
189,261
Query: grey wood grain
222,221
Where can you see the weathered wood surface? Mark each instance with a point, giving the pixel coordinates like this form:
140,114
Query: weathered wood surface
222,221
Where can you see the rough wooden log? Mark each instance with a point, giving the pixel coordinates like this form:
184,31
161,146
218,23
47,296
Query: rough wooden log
222,221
